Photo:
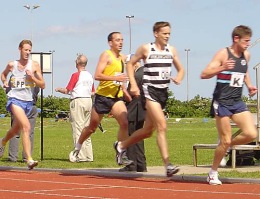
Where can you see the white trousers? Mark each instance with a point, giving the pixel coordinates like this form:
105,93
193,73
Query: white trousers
80,110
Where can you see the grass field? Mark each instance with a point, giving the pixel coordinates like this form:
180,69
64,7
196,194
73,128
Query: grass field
57,143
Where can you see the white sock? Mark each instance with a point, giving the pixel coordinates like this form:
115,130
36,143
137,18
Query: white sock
211,172
118,147
78,146
229,149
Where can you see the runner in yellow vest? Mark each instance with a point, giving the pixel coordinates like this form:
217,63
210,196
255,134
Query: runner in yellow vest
109,94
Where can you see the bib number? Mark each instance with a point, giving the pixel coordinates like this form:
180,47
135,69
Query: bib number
237,80
19,83
165,75
117,82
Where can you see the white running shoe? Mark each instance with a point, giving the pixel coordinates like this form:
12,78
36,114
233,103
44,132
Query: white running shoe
31,164
121,157
171,170
2,148
223,162
212,179
73,156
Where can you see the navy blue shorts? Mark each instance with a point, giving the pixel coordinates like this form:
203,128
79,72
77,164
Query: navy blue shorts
103,105
228,110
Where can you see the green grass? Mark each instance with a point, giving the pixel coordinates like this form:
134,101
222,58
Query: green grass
57,141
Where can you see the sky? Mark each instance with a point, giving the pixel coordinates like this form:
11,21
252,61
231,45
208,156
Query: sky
82,26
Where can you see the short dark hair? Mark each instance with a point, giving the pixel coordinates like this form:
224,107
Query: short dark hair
160,24
241,31
110,36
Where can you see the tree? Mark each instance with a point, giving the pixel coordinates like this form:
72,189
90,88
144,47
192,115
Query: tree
3,100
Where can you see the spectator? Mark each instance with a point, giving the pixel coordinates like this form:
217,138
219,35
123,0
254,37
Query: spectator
80,88
136,115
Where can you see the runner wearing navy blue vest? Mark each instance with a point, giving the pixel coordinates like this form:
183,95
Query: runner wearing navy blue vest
230,66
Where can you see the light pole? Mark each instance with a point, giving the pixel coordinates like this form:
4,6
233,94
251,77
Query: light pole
130,34
254,43
256,67
31,8
187,56
52,79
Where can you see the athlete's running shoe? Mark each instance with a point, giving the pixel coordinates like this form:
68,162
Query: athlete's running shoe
73,156
31,164
171,170
2,148
212,179
121,157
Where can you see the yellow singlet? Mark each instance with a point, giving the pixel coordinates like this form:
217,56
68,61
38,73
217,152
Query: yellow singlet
111,89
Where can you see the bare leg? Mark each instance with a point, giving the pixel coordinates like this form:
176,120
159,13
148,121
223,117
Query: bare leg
119,112
156,114
224,131
246,123
22,123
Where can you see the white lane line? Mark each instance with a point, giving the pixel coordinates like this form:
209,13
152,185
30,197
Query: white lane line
131,187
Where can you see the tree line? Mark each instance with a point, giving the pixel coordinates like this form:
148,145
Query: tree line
196,107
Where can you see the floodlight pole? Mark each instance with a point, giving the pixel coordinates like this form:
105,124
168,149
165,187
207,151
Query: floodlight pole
52,79
187,56
254,43
31,8
130,33
256,67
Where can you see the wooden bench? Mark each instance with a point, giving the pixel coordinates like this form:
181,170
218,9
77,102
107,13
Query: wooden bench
201,146
214,146
234,148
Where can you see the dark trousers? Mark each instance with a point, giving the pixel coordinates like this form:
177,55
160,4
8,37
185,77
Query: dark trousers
136,152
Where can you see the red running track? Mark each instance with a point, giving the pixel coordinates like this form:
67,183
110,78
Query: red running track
53,185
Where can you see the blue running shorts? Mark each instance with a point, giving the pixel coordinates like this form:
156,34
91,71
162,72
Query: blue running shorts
228,110
25,105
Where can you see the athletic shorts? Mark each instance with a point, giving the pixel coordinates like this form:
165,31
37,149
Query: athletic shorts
25,105
159,95
227,110
103,105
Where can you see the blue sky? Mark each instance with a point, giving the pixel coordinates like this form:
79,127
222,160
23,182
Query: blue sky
82,26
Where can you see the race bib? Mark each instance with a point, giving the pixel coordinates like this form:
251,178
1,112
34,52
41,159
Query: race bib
19,82
165,75
117,82
237,80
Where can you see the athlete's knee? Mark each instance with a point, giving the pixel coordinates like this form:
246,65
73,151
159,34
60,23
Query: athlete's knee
123,124
26,129
148,131
88,130
225,142
250,134
253,135
161,127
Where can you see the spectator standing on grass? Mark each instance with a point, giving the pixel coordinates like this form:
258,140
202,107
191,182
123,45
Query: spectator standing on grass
230,66
80,88
109,95
158,58
136,114
25,75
